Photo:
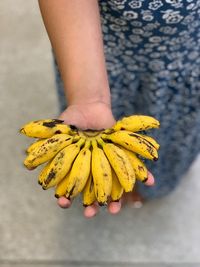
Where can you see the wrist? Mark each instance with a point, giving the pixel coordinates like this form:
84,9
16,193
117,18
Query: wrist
89,101
89,96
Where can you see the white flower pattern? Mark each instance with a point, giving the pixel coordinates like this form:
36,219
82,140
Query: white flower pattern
152,51
154,5
172,16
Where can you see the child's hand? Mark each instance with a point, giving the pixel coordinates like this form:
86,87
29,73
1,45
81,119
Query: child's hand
92,116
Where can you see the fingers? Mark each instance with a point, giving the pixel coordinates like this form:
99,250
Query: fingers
91,211
151,180
64,203
114,207
73,117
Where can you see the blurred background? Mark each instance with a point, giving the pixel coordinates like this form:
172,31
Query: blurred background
33,230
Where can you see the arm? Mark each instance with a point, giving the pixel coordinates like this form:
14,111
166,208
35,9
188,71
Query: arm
74,30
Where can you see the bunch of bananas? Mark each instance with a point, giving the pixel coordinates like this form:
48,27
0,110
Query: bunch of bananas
100,164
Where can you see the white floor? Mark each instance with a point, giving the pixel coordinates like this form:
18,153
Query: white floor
33,230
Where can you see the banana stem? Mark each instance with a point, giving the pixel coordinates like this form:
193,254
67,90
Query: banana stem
87,144
94,143
81,141
105,137
76,138
100,141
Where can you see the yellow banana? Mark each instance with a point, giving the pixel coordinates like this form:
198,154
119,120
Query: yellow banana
101,172
88,192
133,142
149,139
79,172
35,145
45,128
43,172
138,165
117,189
47,150
136,123
61,164
61,187
121,165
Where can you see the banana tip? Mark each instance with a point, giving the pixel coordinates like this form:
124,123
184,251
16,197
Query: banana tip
22,131
102,204
144,181
28,167
158,124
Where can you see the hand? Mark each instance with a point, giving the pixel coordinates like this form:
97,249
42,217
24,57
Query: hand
96,116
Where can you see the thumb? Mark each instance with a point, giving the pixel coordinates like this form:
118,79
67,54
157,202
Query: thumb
72,117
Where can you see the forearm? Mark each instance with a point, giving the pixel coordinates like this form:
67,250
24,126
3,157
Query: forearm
75,33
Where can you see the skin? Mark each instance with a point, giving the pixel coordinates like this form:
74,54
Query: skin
85,117
74,30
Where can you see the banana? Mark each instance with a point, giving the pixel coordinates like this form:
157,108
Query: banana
88,192
79,172
121,165
46,128
117,189
61,164
136,123
61,187
138,165
133,142
47,150
35,145
149,139
101,172
43,172
101,164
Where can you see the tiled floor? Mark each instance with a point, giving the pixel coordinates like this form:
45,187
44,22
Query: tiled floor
33,230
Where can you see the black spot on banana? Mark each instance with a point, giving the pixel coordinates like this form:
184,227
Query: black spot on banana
46,128
52,123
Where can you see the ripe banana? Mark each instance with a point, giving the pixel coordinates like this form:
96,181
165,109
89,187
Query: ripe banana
88,192
61,187
79,172
47,150
117,189
61,164
136,123
42,174
133,142
121,165
35,145
138,165
101,172
45,128
149,139
101,164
